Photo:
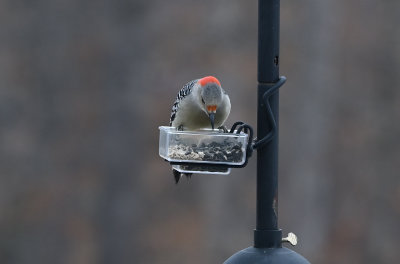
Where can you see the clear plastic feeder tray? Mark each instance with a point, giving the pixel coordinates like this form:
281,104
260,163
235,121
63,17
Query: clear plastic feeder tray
204,147
203,169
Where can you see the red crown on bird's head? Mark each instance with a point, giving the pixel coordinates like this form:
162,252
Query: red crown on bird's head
209,79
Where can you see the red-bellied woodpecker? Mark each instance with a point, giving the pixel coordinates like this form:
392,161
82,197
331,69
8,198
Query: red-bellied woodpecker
201,103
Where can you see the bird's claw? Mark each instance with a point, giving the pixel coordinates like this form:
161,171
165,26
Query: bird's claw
223,129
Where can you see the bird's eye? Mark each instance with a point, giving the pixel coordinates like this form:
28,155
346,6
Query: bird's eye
202,100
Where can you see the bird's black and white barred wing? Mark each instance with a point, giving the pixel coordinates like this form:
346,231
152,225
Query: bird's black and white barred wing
185,91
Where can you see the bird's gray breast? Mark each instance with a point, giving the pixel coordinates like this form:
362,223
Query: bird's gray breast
223,111
191,116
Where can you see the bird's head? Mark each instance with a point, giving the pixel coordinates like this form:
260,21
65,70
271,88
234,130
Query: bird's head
210,96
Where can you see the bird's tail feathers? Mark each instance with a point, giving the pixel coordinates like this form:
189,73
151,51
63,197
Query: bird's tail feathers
178,175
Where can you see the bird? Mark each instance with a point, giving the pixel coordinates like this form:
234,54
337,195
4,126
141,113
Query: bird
201,103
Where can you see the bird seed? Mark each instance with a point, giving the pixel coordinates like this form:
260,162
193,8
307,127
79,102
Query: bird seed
230,152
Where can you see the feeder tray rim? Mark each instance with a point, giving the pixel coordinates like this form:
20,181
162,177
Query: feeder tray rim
202,132
228,170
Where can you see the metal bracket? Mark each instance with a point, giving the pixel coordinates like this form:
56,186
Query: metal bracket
262,142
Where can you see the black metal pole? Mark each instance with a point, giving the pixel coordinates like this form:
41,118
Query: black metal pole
268,41
267,237
267,233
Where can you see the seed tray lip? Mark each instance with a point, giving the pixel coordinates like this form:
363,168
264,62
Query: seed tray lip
169,132
204,162
203,132
177,167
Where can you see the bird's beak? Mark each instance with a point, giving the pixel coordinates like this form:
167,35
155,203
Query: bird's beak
212,116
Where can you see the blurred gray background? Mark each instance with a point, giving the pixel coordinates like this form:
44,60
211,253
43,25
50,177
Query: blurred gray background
84,86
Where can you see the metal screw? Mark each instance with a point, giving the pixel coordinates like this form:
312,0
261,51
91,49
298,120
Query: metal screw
276,60
291,238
